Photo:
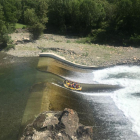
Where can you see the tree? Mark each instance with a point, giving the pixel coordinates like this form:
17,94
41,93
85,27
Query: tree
91,11
36,17
5,40
79,16
56,15
12,12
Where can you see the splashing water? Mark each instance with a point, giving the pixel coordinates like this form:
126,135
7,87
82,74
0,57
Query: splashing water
128,98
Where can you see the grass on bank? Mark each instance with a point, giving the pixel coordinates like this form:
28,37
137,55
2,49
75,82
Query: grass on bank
84,40
20,26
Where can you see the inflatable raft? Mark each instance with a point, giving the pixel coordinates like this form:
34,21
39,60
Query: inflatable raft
72,85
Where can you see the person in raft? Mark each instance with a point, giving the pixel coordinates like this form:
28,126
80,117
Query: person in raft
74,85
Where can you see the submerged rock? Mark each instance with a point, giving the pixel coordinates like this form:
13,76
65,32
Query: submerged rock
60,125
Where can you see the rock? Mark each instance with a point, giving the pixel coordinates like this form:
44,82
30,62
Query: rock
85,133
29,131
60,125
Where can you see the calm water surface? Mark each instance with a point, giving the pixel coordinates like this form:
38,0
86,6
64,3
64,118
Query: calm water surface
17,76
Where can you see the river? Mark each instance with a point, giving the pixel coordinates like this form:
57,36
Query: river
26,90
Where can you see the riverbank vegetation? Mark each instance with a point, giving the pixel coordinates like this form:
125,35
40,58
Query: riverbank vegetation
20,26
113,22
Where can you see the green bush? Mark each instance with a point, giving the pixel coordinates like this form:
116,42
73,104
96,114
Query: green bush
36,30
7,22
35,16
98,35
135,39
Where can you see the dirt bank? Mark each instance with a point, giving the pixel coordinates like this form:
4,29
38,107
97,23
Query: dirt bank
67,46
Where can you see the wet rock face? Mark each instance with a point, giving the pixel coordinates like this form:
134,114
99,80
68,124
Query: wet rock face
57,126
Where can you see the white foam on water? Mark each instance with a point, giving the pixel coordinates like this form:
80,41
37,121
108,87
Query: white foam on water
126,100
93,93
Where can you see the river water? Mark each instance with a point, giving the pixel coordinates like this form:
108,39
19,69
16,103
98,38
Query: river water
126,99
27,89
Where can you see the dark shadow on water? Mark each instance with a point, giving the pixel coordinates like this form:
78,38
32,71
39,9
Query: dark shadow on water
136,95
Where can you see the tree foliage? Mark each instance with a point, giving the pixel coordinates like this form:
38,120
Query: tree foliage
106,21
75,15
127,20
5,40
12,12
35,16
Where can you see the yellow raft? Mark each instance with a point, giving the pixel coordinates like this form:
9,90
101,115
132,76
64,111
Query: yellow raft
72,85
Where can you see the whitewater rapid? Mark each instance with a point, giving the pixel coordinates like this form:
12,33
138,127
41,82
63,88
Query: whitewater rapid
126,99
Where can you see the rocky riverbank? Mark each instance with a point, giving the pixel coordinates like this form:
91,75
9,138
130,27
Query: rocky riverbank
57,126
74,51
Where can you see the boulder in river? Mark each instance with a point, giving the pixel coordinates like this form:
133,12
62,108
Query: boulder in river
57,125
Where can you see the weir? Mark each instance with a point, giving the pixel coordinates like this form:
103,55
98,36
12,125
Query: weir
52,63
94,103
112,111
47,96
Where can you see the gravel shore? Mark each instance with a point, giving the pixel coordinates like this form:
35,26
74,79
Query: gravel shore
67,46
